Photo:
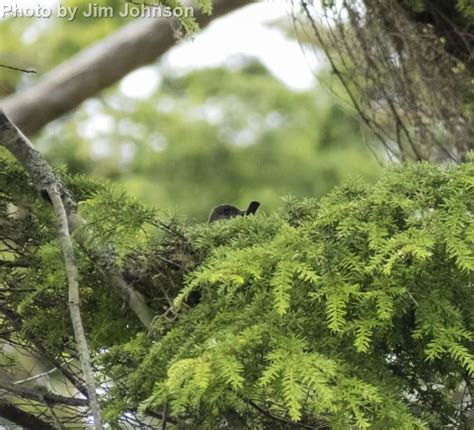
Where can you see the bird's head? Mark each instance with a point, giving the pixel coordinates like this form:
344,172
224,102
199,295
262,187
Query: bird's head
224,212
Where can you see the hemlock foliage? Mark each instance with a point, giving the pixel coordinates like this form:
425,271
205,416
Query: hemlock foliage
352,311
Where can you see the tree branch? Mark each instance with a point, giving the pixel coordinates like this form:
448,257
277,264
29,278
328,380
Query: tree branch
16,69
17,323
22,418
43,396
74,306
44,178
103,64
15,263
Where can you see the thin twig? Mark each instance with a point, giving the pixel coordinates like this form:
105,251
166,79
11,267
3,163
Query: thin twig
165,417
55,418
39,375
17,323
18,69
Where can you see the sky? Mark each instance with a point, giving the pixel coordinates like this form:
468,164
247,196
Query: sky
248,32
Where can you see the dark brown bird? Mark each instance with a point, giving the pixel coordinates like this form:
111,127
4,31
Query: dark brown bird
228,211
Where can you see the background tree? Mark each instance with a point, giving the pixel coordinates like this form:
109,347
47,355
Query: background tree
406,68
191,145
101,65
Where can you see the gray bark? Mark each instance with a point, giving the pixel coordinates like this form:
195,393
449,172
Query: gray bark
74,303
22,418
41,395
93,69
44,178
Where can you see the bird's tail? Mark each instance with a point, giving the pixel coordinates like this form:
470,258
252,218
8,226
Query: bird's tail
253,206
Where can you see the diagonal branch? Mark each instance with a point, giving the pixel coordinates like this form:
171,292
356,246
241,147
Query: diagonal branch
44,178
62,89
43,396
16,69
22,418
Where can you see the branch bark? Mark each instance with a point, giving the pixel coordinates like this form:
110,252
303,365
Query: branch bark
41,395
44,179
22,418
74,304
103,64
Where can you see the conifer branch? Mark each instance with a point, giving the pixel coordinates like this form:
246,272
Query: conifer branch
43,178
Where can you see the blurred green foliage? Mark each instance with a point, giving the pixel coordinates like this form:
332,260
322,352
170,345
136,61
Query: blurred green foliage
42,43
201,139
215,136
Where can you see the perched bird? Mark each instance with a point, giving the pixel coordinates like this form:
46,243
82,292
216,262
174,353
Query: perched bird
228,211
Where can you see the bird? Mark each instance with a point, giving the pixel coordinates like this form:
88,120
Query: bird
227,211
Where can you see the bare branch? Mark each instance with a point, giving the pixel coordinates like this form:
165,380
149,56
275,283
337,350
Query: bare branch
5,66
55,418
74,304
100,66
22,418
43,396
15,263
38,376
389,63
